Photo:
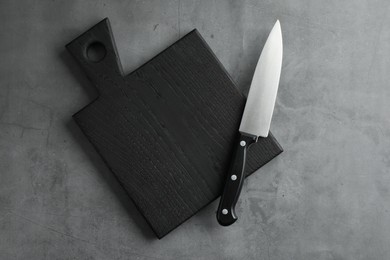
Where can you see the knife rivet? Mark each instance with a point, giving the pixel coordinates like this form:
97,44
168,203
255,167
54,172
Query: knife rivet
225,211
233,177
242,143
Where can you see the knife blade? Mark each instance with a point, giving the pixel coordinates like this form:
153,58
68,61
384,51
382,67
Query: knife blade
255,122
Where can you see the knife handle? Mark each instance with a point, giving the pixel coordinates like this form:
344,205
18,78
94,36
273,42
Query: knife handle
226,214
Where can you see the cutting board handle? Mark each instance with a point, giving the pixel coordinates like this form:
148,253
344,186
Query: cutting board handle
96,52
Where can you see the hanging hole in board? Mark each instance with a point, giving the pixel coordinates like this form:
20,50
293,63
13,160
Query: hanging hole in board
96,52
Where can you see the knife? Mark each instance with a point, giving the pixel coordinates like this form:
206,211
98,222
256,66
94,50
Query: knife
255,122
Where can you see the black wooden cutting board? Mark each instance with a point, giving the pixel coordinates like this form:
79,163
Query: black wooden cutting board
167,129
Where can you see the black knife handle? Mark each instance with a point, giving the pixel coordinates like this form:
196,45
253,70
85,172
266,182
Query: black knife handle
226,214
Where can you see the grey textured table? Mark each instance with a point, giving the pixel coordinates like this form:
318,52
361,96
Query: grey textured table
326,197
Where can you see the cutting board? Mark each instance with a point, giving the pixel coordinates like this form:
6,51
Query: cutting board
165,130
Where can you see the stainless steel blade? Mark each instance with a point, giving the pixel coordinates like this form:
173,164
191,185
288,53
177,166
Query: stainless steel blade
260,104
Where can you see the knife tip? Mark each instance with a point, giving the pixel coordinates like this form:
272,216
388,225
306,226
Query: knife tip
277,23
277,29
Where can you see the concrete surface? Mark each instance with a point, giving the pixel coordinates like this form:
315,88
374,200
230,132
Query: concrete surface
326,197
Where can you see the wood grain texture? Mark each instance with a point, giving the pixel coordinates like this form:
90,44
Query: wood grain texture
167,129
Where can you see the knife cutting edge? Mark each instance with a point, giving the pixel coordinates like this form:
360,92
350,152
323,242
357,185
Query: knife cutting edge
255,122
